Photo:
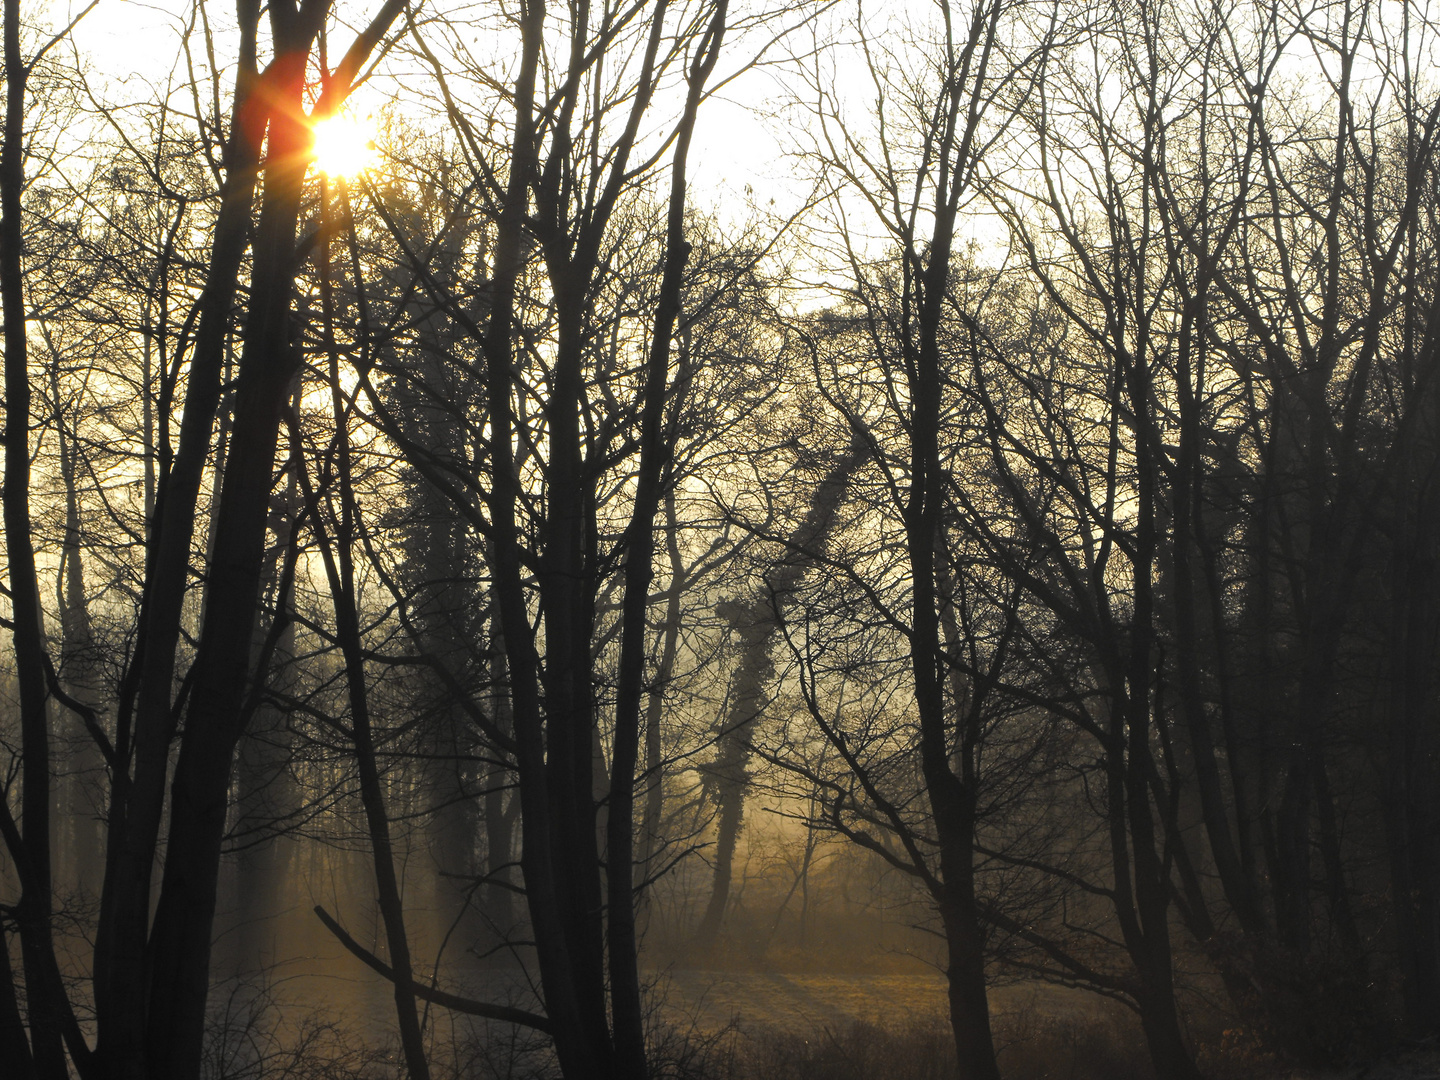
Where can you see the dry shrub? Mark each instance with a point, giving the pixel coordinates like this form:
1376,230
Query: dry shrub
692,1054
1238,1053
1103,1045
251,1036
484,1050
1317,1009
914,1050
1031,1047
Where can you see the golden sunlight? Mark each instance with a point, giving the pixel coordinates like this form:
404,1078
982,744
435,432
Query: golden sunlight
344,146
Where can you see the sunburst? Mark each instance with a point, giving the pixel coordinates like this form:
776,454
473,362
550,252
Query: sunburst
344,146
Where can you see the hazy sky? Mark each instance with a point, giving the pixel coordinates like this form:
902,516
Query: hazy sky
736,142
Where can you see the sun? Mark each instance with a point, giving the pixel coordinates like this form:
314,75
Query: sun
343,146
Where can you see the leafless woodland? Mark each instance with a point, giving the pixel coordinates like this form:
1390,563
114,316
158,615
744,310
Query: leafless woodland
516,606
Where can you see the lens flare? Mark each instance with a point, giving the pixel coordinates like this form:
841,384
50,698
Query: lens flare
343,146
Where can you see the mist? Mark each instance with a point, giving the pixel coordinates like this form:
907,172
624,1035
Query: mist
720,541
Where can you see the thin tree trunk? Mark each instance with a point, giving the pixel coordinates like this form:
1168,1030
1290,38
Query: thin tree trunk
655,458
179,953
145,724
654,806
952,800
340,574
51,1024
580,1056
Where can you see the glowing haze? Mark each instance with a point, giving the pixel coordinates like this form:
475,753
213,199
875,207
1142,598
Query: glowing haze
344,146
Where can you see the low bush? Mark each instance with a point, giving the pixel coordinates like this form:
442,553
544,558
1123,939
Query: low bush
1031,1047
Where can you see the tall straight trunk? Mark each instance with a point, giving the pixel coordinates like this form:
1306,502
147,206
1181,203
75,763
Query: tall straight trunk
567,584
179,951
338,558
1147,929
30,849
575,1046
1148,937
571,240
952,799
146,716
655,457
654,806
180,942
145,724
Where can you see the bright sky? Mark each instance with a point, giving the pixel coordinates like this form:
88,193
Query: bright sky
736,144
742,141
740,165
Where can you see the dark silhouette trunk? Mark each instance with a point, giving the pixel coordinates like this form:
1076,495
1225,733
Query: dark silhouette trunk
179,949
145,724
265,796
542,862
51,1022
338,556
952,798
180,941
653,811
1411,801
656,454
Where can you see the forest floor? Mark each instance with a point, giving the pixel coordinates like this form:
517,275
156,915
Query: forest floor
1411,1065
817,1026
777,1025
805,1002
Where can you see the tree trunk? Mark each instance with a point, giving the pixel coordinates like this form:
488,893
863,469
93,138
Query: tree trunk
1411,801
756,622
656,454
51,1023
653,812
179,952
145,725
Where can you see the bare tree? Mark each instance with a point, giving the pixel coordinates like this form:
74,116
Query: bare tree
912,168
151,976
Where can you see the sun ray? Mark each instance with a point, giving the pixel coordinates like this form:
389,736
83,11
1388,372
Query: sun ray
344,146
